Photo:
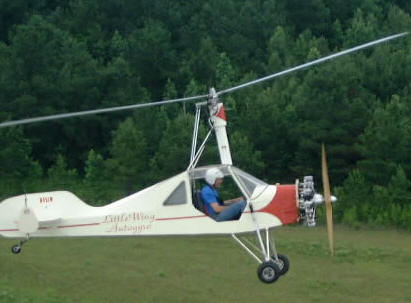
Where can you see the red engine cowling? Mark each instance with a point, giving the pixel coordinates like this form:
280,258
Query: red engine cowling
284,205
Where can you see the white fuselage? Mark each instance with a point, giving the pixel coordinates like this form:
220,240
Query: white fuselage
61,213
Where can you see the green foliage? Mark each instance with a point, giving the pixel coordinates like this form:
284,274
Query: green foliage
386,141
151,53
129,160
203,62
400,188
225,73
379,206
244,154
15,155
60,177
270,122
362,28
173,154
97,182
354,193
312,14
18,171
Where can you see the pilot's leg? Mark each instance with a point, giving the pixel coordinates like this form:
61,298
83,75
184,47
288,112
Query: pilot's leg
233,212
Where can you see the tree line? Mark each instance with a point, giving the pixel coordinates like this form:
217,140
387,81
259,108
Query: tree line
61,56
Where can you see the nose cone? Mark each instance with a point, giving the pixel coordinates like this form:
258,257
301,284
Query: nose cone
319,199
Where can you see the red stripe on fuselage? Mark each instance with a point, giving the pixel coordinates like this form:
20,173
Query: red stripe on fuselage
78,225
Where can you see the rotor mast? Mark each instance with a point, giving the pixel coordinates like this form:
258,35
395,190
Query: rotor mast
219,122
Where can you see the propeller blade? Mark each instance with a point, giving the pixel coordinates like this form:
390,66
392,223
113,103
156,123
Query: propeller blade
98,111
318,61
327,197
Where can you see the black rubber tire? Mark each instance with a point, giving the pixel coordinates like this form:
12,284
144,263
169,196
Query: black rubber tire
16,249
283,263
268,272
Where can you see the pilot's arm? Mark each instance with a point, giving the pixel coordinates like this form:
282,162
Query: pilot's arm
229,202
217,207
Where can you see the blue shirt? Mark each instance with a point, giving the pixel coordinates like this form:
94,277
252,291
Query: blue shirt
210,195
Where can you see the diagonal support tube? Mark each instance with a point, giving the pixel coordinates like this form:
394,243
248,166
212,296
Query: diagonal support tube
246,248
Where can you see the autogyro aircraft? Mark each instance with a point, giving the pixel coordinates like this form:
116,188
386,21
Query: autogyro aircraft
173,206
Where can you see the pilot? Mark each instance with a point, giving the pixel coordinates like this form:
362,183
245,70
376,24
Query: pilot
217,209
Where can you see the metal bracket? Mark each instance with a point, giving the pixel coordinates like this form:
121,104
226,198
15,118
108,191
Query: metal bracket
213,100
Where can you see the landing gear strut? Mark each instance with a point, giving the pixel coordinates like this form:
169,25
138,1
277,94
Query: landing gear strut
272,265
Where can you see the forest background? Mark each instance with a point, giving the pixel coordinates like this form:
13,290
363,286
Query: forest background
60,56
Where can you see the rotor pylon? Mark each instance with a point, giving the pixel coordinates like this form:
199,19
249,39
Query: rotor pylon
218,120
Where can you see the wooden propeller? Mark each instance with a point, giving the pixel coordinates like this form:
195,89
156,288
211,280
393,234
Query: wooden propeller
327,197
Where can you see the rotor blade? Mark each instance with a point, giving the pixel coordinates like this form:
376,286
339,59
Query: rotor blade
318,61
135,106
327,197
98,111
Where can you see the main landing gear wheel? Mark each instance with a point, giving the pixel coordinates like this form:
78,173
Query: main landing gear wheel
16,249
268,272
283,263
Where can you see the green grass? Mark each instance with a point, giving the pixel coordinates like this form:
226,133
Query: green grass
369,266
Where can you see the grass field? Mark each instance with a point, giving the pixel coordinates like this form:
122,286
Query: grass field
369,266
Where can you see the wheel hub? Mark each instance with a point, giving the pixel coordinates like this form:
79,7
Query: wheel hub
268,273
